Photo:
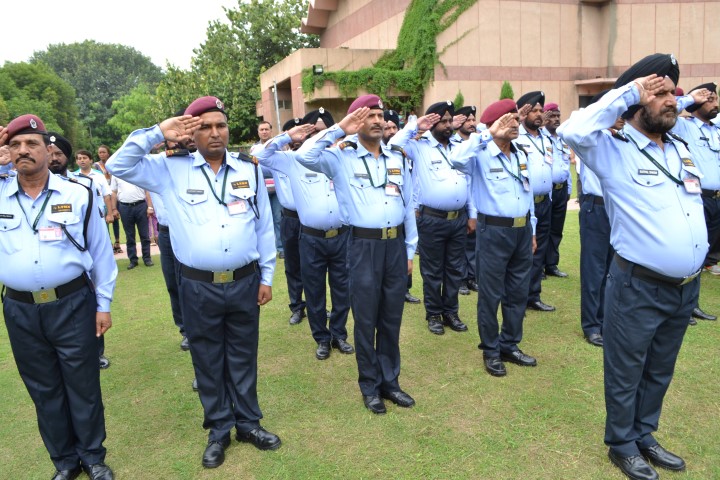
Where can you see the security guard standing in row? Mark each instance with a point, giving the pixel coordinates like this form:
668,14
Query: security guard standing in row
222,234
59,275
653,199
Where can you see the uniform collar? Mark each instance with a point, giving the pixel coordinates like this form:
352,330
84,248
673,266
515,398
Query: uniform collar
54,183
639,138
433,141
523,131
230,160
362,151
495,150
700,123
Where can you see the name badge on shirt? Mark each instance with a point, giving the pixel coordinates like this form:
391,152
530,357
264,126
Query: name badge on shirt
526,184
392,190
433,162
496,170
362,175
394,171
548,158
236,208
7,216
50,234
192,191
311,174
644,171
61,208
332,186
692,185
240,184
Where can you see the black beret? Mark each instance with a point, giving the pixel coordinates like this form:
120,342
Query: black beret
293,122
203,105
312,117
24,124
440,108
712,86
392,116
532,98
62,143
662,64
467,111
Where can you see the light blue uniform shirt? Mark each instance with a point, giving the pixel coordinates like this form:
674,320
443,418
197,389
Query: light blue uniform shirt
541,157
283,190
30,264
590,181
317,205
654,222
704,144
496,190
354,172
159,207
203,233
437,184
561,159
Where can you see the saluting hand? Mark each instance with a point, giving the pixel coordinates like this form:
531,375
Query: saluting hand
503,125
298,134
180,129
649,87
3,135
426,122
524,111
701,96
352,123
4,155
264,294
458,120
103,322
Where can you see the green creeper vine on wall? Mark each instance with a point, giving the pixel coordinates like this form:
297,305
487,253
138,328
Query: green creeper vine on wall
408,69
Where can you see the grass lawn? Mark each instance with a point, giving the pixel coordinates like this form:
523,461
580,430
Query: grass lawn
537,423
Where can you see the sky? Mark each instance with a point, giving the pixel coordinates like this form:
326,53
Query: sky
163,30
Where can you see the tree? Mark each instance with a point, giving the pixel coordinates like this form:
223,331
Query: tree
506,91
27,88
132,111
260,33
459,100
100,74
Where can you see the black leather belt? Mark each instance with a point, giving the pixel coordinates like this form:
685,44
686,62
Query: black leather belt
710,193
540,198
651,275
516,222
50,294
131,204
163,228
598,200
379,233
225,276
434,212
289,213
332,233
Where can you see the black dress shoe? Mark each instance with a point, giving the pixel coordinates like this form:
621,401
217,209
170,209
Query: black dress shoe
323,351
375,404
194,385
692,322
453,321
98,471
399,398
185,344
464,290
540,306
519,358
67,474
132,265
342,345
660,457
494,366
409,298
435,324
261,438
700,315
214,455
149,263
555,272
297,317
472,285
634,467
594,339
104,362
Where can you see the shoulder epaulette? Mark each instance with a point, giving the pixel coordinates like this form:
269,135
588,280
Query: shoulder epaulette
678,138
618,135
247,158
177,152
4,176
399,149
521,148
346,144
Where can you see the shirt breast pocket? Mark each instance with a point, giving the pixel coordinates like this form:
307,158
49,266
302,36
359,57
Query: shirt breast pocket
194,207
498,180
652,192
11,240
69,221
246,197
361,183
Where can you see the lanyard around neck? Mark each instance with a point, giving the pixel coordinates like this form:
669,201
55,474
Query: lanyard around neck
542,142
42,209
517,161
655,162
440,149
370,177
221,199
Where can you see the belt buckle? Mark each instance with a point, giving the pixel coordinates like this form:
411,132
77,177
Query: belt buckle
690,278
558,186
331,233
44,296
520,222
223,277
388,233
453,215
717,194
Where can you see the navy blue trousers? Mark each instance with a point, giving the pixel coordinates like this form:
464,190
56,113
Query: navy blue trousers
170,267
441,246
322,258
643,330
221,322
596,253
54,345
558,207
470,256
543,212
378,281
135,216
290,234
503,260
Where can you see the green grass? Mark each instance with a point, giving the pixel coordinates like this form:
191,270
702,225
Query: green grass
536,423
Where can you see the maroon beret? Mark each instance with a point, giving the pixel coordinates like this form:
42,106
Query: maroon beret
370,101
552,106
205,104
497,110
679,92
23,124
